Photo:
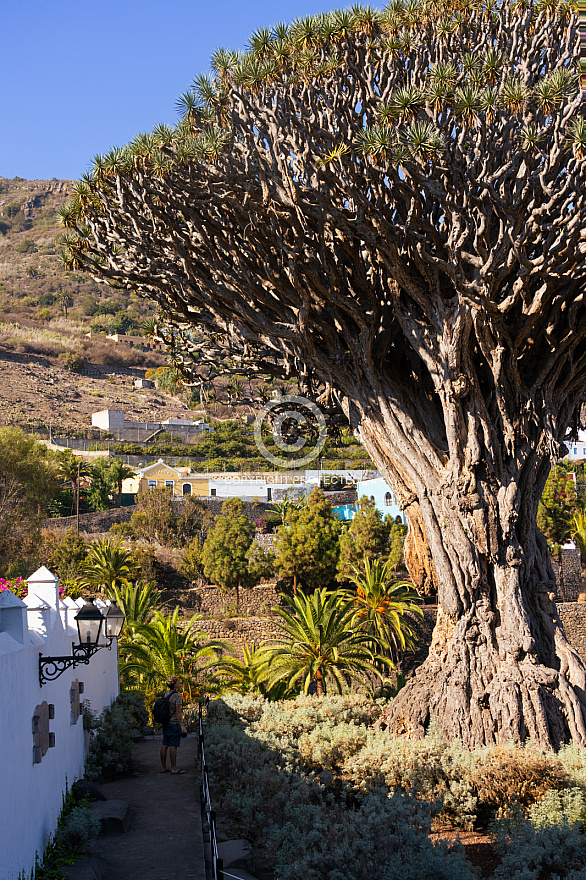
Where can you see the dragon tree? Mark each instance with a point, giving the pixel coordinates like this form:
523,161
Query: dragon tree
390,206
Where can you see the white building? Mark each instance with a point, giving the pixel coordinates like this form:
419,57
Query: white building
43,745
577,449
269,486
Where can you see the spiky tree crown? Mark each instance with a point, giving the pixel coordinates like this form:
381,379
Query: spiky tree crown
352,169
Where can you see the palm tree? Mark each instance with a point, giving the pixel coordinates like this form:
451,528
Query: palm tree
162,648
118,473
138,601
380,604
108,564
579,536
66,300
70,470
245,676
322,642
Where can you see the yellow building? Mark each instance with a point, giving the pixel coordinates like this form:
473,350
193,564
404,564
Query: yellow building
183,481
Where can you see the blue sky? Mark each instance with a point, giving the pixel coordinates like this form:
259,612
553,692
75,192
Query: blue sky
81,76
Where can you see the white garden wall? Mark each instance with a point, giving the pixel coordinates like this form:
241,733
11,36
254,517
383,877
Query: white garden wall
31,793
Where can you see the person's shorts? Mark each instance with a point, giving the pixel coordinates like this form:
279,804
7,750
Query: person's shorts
172,735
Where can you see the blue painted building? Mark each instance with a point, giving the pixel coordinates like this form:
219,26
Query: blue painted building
382,495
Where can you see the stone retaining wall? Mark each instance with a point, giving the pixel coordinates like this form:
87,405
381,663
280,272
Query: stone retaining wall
241,630
573,617
211,601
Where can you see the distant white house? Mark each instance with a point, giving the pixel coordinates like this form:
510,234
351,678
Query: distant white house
577,449
114,421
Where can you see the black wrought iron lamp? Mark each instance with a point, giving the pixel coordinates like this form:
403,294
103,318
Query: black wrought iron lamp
90,621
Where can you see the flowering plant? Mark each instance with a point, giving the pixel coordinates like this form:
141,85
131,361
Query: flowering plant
262,525
19,588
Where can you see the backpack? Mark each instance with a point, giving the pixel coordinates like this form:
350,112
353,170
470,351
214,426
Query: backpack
161,709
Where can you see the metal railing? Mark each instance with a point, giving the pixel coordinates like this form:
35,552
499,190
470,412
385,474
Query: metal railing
217,864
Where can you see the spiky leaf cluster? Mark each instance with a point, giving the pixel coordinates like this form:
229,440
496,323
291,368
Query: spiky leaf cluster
354,173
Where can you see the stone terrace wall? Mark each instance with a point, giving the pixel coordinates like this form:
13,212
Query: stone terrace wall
213,602
573,617
241,630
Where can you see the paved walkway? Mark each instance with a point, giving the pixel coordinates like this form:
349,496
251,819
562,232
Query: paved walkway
164,838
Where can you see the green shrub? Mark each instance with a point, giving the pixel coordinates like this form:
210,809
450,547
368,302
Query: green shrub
191,565
504,775
27,246
314,826
72,361
112,735
77,827
546,841
64,553
78,830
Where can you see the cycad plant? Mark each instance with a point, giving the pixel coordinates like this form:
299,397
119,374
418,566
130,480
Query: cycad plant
381,603
138,601
320,644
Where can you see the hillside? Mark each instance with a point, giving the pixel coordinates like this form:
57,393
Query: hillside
35,289
45,314
57,366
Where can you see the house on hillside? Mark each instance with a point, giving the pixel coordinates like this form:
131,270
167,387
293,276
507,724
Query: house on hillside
182,480
382,495
114,421
263,486
577,448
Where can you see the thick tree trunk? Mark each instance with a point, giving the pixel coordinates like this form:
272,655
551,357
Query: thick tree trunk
418,558
500,667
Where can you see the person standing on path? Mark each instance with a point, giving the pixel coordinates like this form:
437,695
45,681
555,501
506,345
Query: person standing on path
175,729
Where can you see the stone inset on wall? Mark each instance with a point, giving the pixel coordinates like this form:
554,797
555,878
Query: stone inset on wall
43,738
76,704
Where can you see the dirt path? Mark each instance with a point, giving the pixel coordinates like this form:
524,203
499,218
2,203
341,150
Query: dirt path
164,839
